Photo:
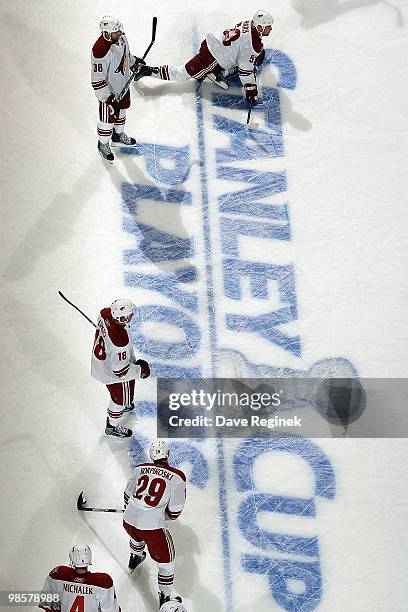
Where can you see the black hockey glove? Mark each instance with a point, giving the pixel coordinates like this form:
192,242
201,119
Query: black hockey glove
114,105
139,62
251,92
144,368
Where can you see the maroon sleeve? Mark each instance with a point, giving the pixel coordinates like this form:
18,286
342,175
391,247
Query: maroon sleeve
100,48
256,40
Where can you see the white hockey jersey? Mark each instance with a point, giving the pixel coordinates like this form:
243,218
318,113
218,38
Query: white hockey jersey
237,48
155,493
90,592
110,67
113,356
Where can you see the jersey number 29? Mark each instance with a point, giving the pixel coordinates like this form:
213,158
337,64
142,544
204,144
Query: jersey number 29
154,493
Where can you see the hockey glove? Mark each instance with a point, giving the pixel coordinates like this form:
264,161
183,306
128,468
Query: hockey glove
144,368
251,92
139,62
114,105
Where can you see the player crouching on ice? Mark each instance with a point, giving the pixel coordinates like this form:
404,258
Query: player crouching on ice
77,588
113,363
156,493
221,54
112,67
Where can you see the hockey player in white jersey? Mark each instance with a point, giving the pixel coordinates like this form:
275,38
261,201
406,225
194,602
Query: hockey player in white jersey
78,588
239,48
111,67
113,363
155,494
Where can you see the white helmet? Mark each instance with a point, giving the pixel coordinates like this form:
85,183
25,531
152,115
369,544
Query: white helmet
173,606
158,450
262,18
80,556
109,24
122,309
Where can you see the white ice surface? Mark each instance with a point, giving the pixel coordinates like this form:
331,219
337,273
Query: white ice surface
345,132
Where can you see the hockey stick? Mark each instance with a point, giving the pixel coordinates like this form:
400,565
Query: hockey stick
126,87
81,506
251,125
76,308
154,26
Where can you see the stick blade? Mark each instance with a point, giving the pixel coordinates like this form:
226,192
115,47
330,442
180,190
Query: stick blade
252,125
81,501
154,27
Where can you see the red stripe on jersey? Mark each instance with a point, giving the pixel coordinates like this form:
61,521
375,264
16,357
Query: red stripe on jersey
173,515
164,73
126,367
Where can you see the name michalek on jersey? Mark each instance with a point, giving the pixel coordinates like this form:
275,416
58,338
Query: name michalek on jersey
83,589
222,422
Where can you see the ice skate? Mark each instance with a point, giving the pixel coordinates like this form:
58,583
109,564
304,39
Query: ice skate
122,140
105,152
166,598
135,561
218,79
119,431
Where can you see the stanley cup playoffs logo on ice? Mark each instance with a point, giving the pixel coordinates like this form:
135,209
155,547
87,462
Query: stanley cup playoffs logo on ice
208,287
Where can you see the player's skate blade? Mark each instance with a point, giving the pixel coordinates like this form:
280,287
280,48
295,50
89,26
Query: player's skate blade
122,140
218,80
135,561
119,431
105,152
166,598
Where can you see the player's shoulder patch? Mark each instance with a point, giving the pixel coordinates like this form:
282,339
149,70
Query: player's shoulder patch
62,572
99,579
100,48
117,334
256,40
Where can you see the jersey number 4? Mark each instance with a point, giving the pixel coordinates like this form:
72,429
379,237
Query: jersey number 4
99,348
78,605
154,493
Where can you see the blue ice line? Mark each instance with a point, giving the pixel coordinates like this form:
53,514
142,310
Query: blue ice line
222,490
